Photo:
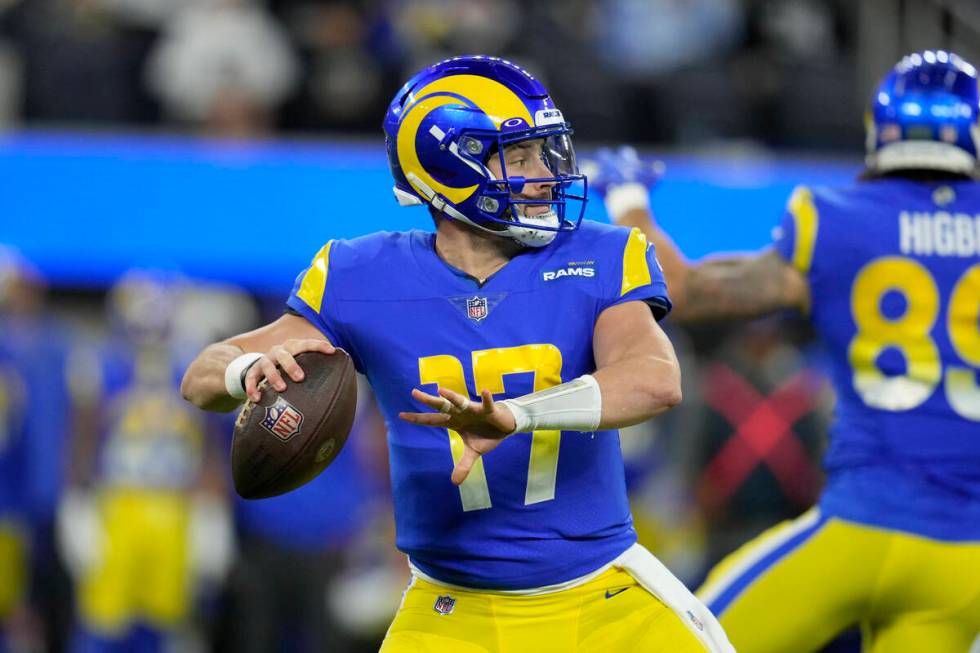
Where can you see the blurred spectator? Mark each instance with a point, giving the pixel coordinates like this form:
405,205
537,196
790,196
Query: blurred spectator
798,29
645,39
11,84
145,528
76,61
225,65
344,51
432,30
557,42
795,75
761,69
670,56
150,14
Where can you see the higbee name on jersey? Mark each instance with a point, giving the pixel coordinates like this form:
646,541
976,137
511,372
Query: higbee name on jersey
939,233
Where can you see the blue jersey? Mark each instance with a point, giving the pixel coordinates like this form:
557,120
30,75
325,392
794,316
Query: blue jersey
325,514
13,411
150,438
37,350
541,508
894,274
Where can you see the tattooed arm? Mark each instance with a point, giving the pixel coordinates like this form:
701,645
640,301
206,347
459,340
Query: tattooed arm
727,286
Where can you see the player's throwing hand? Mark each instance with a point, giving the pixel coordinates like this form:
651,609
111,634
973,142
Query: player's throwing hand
482,425
278,360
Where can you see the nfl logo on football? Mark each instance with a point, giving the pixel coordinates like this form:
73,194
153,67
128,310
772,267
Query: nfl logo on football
444,604
282,419
476,308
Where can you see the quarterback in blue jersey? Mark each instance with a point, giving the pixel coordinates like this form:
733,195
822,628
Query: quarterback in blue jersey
888,271
505,349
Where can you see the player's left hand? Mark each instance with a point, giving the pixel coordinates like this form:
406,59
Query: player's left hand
610,168
482,425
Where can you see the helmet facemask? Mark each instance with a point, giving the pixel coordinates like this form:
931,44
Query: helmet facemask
518,162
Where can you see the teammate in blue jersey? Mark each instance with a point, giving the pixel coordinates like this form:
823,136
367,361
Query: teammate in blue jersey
13,549
888,271
144,527
505,350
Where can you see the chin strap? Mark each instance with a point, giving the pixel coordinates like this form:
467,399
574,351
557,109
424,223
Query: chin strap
523,231
526,234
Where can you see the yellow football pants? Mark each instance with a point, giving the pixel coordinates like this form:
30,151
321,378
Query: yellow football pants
143,574
798,585
13,567
609,614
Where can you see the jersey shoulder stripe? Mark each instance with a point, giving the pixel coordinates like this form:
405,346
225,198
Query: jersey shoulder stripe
633,273
314,281
806,221
636,270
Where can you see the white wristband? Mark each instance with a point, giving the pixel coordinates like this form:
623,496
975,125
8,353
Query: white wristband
572,406
624,198
234,383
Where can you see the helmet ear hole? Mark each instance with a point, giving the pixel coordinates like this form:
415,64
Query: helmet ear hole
488,204
471,146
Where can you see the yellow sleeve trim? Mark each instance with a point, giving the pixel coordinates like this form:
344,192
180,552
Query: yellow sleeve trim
315,279
635,270
806,219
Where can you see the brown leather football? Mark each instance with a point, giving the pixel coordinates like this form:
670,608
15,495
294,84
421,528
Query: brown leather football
289,437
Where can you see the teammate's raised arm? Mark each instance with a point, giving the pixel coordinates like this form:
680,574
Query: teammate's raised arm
734,286
719,287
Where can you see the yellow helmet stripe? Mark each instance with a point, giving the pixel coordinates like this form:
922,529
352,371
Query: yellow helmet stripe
491,97
410,160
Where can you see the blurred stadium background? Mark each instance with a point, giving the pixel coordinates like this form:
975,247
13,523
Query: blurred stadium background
168,166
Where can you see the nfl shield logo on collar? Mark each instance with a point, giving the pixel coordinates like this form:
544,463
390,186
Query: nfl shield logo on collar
444,604
476,308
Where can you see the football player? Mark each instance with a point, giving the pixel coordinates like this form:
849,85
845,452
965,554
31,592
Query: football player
13,542
32,401
505,350
888,271
146,524
34,391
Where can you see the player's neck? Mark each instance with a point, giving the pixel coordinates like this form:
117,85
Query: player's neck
476,253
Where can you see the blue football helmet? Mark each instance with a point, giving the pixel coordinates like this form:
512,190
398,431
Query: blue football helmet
444,125
924,116
142,305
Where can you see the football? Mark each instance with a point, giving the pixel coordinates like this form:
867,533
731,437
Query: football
287,438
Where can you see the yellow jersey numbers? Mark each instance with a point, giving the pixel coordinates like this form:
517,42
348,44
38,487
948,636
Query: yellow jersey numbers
911,333
490,366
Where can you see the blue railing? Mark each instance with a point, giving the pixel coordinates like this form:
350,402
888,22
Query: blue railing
86,207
